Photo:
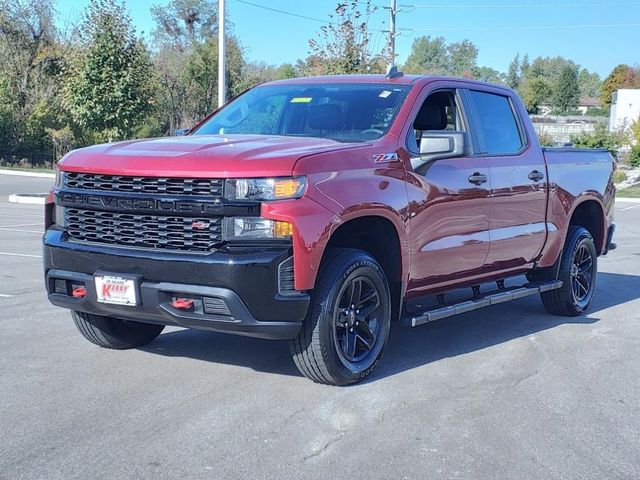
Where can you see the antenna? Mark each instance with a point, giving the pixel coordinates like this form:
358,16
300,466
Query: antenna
394,73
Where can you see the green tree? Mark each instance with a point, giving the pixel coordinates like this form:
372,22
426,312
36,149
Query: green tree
534,92
286,70
513,73
109,87
486,74
546,72
184,22
6,116
463,57
566,93
634,156
345,45
201,75
550,67
182,29
524,66
435,57
635,130
428,56
589,83
29,65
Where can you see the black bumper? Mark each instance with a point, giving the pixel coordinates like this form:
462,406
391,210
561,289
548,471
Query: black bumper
240,286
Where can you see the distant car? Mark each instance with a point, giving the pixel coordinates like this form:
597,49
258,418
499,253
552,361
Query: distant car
315,209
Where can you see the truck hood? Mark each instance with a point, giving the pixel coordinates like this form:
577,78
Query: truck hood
200,156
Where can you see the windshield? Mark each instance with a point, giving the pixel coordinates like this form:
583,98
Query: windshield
342,112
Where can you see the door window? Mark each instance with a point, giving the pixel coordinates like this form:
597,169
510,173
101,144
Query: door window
439,112
497,128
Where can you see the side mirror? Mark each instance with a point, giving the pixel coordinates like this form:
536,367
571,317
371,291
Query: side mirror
438,145
180,132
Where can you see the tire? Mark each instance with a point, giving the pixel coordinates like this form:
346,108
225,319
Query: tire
578,269
339,345
109,332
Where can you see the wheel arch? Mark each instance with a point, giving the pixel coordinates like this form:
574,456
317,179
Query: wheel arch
589,213
378,235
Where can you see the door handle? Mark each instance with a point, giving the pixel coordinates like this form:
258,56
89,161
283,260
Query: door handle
477,178
536,176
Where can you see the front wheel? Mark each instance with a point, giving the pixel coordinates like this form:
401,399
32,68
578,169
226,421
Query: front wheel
347,326
578,269
109,332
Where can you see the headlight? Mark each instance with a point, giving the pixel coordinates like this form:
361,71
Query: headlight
255,228
260,189
59,174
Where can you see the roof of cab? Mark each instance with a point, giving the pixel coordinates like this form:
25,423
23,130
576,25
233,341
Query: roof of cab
381,79
364,78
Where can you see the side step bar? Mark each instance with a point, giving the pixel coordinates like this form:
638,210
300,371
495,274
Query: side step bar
491,298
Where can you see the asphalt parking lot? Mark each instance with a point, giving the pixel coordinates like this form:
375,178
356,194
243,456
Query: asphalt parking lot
508,392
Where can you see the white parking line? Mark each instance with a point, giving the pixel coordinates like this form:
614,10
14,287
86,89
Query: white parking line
4,229
24,216
4,295
20,255
21,225
629,208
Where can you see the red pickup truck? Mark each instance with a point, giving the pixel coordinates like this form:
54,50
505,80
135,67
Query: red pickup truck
320,210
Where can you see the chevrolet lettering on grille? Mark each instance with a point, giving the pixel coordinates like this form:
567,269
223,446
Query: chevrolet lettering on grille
109,203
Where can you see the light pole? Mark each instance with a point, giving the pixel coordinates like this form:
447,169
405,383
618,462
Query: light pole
222,59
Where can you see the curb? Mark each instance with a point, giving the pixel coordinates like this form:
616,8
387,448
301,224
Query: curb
28,199
627,200
19,173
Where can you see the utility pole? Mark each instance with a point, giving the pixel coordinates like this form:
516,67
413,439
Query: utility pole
392,32
222,58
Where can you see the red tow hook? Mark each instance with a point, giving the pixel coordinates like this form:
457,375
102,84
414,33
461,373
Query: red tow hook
79,292
182,303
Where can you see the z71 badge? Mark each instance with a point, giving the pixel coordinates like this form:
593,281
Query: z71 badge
384,157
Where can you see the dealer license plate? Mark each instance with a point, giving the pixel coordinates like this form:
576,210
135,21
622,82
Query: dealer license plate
116,290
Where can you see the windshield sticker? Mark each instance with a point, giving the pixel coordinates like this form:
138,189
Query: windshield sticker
301,100
384,94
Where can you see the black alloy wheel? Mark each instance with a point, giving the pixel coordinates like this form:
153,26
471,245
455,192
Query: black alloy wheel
356,325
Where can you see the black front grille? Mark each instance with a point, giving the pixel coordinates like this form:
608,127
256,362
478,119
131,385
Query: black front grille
144,231
151,185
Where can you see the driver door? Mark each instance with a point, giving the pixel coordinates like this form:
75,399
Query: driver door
449,201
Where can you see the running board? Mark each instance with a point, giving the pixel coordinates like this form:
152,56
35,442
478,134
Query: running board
491,298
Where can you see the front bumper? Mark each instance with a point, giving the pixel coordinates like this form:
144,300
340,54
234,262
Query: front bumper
240,286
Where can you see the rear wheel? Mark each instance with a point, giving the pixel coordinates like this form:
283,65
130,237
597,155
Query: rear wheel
109,332
346,329
578,269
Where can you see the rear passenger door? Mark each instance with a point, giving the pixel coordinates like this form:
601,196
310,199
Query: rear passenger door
518,196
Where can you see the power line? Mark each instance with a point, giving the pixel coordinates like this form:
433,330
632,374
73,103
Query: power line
509,6
297,15
532,27
264,7
456,29
392,32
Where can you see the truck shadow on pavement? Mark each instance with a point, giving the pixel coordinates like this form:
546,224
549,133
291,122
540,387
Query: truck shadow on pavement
408,348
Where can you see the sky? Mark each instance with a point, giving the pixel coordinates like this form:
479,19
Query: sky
597,34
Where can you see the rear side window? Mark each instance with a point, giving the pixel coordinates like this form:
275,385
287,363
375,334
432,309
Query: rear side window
496,126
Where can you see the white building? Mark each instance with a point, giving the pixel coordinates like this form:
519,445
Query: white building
625,108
